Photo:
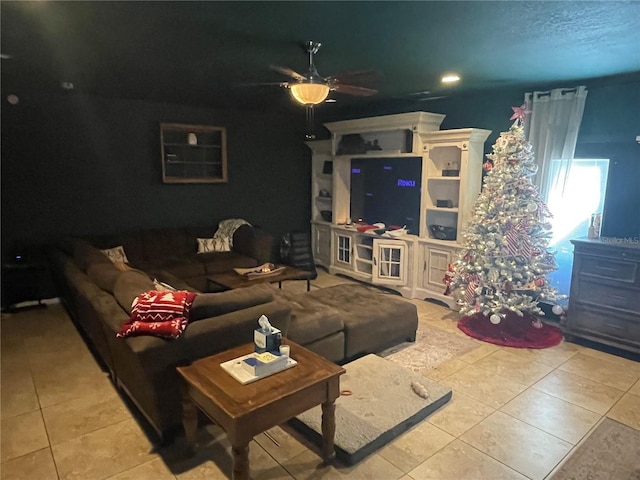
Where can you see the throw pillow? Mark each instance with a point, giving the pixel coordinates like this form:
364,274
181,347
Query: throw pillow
161,314
116,254
226,228
220,244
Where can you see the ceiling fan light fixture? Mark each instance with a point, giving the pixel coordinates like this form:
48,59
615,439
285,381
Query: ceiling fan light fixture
309,93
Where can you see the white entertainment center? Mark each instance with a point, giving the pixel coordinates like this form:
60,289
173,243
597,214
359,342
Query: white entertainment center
449,181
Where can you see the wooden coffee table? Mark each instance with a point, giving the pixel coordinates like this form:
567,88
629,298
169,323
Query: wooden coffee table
234,280
244,411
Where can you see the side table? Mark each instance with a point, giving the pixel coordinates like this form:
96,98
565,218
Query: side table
244,411
23,280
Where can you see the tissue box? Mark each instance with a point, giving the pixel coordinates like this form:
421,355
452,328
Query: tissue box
267,341
260,364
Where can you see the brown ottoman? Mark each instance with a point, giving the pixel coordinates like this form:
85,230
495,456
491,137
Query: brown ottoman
373,320
314,325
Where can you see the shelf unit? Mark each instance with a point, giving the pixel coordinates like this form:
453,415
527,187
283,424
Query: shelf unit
193,153
321,178
414,265
453,175
321,185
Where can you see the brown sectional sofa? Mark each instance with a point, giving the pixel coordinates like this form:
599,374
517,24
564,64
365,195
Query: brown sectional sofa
339,323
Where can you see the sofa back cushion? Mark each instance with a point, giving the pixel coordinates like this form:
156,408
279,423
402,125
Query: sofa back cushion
253,242
214,304
167,242
131,242
85,254
104,275
129,285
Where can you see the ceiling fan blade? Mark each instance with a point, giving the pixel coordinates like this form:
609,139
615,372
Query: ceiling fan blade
427,99
288,72
360,76
353,90
254,84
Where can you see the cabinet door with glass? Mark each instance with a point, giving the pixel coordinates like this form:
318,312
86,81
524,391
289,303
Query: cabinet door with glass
193,153
343,250
389,262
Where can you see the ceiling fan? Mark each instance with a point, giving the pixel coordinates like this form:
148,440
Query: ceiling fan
312,89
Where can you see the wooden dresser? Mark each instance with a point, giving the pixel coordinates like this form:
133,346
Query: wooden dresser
604,302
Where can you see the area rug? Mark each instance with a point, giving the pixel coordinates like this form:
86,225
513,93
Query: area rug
432,348
377,404
612,451
512,331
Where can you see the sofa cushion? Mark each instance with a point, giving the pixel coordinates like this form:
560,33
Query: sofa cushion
183,267
129,285
104,275
373,320
167,242
311,320
85,254
213,304
132,244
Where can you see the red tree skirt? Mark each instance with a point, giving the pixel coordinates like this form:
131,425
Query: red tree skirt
512,331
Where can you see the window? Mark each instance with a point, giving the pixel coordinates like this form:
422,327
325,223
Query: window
577,192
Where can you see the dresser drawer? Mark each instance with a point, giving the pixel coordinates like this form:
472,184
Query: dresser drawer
619,270
612,250
604,324
592,293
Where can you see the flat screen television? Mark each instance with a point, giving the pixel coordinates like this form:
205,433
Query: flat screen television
387,190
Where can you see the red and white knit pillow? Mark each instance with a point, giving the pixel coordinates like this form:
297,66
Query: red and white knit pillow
162,314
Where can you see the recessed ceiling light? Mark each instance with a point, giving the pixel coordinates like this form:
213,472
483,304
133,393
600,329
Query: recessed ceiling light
450,78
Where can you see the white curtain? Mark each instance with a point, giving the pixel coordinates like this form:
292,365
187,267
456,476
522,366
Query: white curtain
552,129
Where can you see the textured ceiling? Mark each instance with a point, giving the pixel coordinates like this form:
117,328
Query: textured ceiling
202,52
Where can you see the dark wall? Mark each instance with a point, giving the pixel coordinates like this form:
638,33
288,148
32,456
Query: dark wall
612,111
609,129
76,164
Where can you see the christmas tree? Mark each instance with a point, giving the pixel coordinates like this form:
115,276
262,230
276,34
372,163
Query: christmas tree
504,258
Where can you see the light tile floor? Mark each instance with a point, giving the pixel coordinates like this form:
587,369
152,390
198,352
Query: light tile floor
515,414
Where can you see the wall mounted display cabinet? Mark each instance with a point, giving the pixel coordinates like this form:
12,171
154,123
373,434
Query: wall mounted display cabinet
193,153
402,171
